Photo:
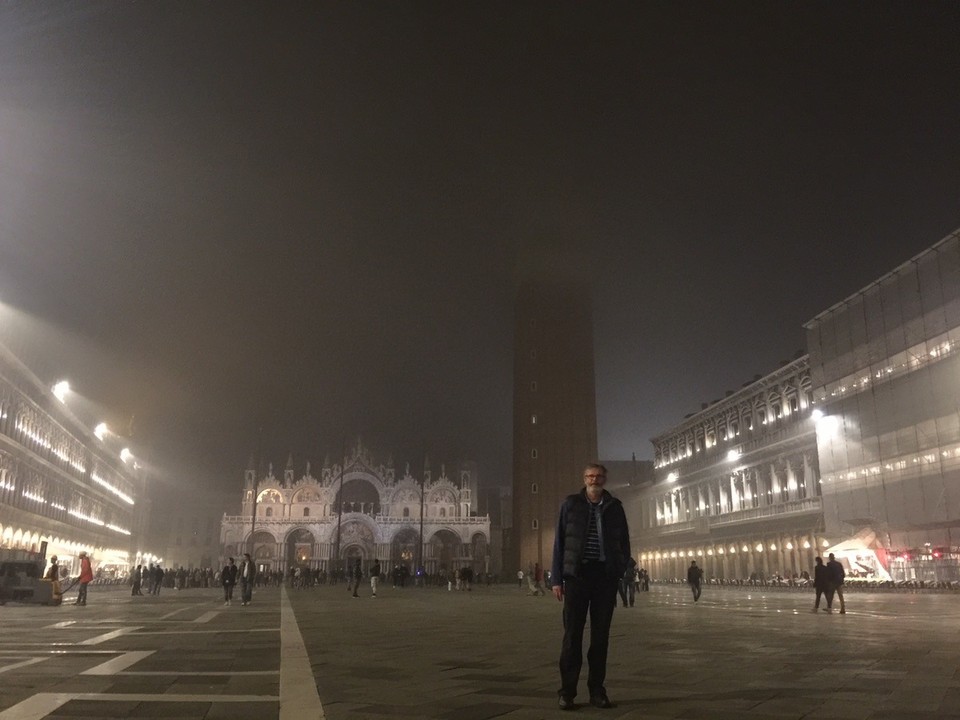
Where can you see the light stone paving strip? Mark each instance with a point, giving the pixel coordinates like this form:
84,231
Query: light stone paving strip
112,635
112,667
42,704
299,698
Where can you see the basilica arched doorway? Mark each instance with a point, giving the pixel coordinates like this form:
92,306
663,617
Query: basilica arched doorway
264,551
405,550
444,551
300,548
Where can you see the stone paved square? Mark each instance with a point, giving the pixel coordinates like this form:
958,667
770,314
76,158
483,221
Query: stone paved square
489,653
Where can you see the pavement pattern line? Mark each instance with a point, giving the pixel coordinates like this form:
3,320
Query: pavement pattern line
298,686
197,673
203,632
175,612
40,705
112,667
207,616
62,624
23,663
112,635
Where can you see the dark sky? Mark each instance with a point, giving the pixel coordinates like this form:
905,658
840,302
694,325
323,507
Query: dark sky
306,217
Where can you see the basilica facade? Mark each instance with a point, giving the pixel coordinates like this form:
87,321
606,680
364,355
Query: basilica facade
359,509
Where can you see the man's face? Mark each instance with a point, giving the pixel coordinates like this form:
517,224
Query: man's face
593,480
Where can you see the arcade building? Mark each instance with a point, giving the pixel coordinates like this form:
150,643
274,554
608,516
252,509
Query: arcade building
360,510
62,490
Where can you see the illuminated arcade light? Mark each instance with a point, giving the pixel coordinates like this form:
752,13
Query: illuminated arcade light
825,544
101,431
126,455
672,477
806,544
817,414
759,547
733,455
60,390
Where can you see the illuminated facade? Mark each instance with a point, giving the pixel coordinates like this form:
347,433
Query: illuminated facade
736,486
58,482
885,367
554,411
360,510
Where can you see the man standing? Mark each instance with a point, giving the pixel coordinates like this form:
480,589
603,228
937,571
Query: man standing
836,575
374,577
695,579
86,577
247,575
590,554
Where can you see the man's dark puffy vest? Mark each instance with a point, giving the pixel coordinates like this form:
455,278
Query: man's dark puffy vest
614,526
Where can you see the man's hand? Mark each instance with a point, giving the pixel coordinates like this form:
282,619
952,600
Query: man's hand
558,592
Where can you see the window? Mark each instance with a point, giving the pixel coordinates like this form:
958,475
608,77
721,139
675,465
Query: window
533,453
406,512
268,512
533,419
534,524
443,512
306,512
534,488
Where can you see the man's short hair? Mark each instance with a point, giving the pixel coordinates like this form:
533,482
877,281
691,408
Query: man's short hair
594,466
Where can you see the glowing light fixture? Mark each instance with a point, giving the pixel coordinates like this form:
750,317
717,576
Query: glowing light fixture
125,454
672,477
60,390
101,431
733,455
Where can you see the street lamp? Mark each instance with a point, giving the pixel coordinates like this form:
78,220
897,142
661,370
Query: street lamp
101,431
126,455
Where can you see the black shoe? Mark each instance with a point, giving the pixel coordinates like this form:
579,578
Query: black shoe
600,701
566,703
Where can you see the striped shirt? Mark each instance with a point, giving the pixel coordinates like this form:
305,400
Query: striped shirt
593,543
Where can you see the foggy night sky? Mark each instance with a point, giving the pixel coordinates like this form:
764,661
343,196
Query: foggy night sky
306,217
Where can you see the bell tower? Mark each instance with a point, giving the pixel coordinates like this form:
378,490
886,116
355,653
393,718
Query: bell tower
554,407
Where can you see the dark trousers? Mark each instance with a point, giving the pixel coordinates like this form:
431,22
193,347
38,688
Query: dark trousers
246,591
824,591
627,592
227,592
595,594
82,594
696,589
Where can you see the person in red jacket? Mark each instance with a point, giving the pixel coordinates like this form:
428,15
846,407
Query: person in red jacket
86,577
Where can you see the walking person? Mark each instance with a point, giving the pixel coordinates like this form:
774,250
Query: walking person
628,584
357,576
374,578
520,579
695,579
836,574
157,579
821,583
86,577
137,580
591,551
228,578
246,575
